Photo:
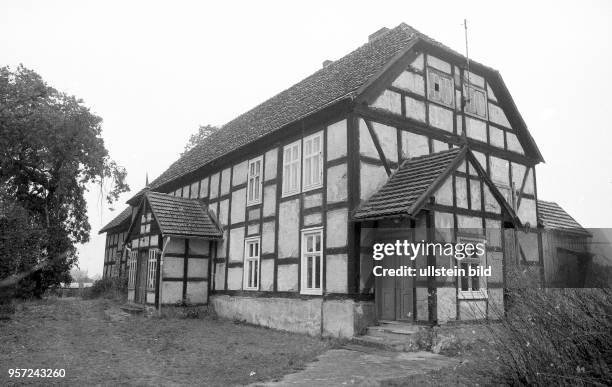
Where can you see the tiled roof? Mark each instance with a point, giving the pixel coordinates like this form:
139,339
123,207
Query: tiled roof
123,219
552,216
178,216
337,81
401,194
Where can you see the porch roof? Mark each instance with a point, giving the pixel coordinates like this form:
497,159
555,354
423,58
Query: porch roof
122,219
409,188
183,217
551,216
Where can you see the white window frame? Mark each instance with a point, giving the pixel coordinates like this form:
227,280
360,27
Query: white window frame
256,258
304,289
152,269
317,156
251,181
436,96
468,105
481,293
287,177
132,262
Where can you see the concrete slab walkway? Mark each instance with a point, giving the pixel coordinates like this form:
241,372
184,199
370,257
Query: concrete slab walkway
358,365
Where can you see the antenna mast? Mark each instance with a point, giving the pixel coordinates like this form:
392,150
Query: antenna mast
467,53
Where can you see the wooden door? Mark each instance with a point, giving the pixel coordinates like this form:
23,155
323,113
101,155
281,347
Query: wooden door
140,294
394,295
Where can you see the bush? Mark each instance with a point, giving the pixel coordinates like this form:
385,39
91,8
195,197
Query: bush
115,288
555,337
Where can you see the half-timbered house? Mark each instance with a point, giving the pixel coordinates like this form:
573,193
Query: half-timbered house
271,219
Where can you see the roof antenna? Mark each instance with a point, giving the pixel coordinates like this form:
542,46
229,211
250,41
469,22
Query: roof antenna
147,179
467,53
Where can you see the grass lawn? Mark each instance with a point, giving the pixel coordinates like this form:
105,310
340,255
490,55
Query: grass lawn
97,346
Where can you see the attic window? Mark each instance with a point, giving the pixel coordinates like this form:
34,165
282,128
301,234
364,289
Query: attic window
441,88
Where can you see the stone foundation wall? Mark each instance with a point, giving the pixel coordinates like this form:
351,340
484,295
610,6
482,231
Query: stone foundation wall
341,318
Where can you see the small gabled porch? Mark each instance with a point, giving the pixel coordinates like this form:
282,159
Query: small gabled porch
170,245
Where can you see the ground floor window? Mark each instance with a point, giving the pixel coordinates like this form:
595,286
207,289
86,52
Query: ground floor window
152,269
132,261
312,261
472,284
251,264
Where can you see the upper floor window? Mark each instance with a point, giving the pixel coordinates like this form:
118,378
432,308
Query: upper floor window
475,100
254,181
291,168
440,87
251,264
313,161
312,261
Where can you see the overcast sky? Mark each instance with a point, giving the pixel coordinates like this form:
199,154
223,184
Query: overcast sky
154,71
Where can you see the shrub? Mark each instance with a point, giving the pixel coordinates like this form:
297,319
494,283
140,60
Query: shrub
555,337
108,288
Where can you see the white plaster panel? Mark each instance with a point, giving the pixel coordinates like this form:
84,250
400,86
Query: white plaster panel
289,229
236,249
415,109
337,188
253,229
203,188
287,278
491,203
220,276
197,291
214,185
476,129
461,192
414,145
518,174
513,143
440,117
336,140
222,245
474,79
438,64
444,195
496,136
439,146
225,181
172,292
173,267
481,158
239,175
254,214
267,238
234,278
313,219
469,223
223,212
271,164
197,267
499,170
238,206
410,81
445,225
366,145
372,178
497,115
490,94
389,101
387,136
269,200
336,266
527,212
267,275
315,200
336,229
